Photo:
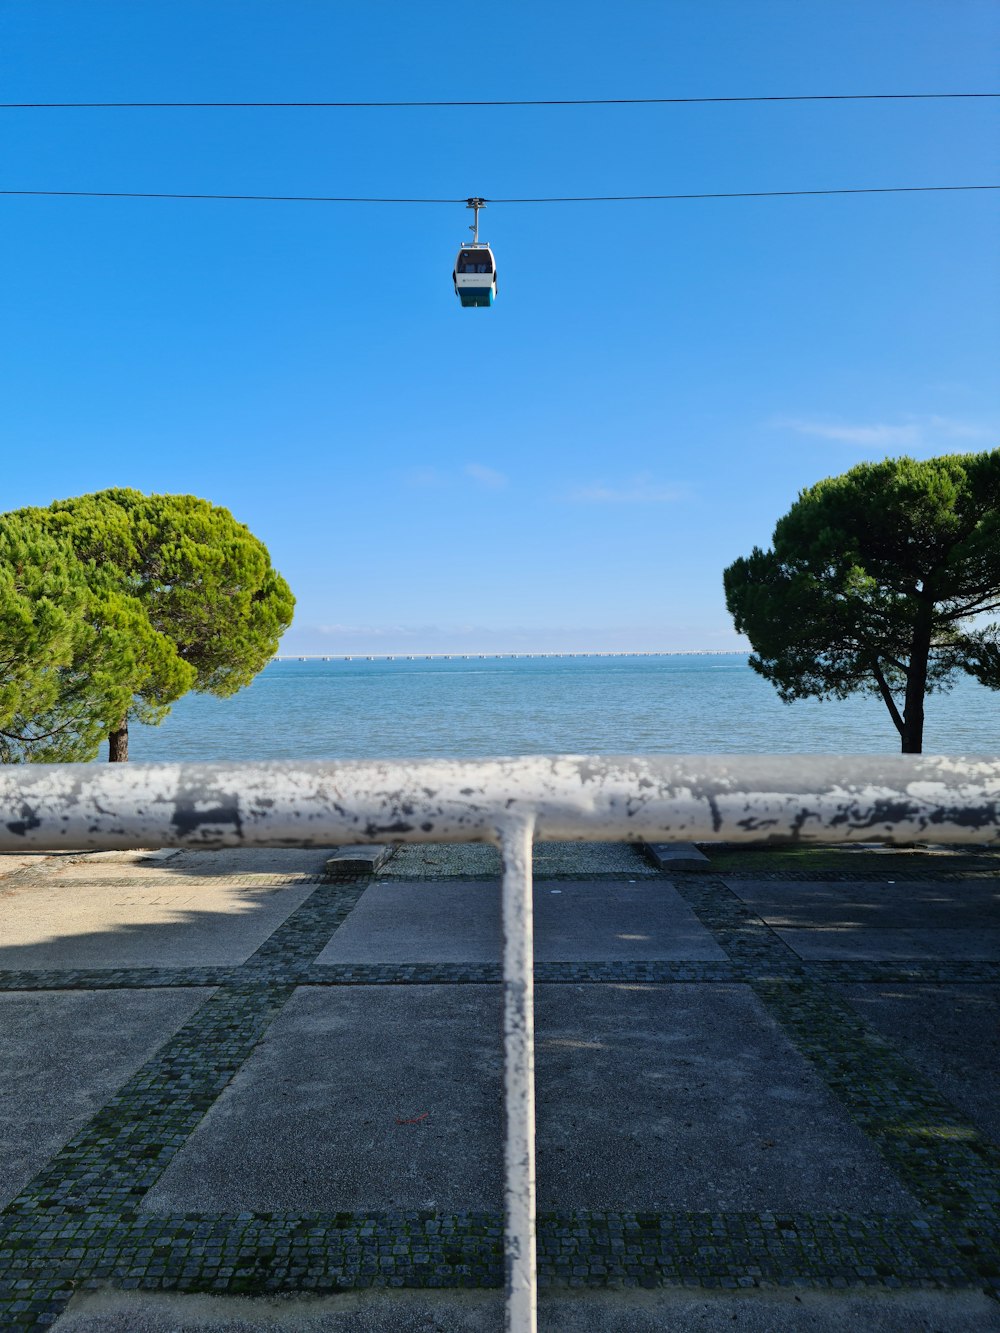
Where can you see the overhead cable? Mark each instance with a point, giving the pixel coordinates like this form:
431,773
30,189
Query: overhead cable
497,102
550,199
740,194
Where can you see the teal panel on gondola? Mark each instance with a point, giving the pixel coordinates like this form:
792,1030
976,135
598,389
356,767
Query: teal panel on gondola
476,296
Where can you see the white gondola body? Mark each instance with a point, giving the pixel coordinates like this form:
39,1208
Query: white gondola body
475,275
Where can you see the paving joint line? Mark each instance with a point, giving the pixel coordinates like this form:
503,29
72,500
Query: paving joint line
79,1220
115,1158
254,1253
592,972
942,1159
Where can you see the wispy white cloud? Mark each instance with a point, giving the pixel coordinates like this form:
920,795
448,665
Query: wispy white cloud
486,476
913,430
639,489
876,433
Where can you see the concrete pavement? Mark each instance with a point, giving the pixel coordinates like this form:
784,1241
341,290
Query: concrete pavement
237,1096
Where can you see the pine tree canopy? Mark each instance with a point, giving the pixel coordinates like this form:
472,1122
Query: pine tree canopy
113,605
879,581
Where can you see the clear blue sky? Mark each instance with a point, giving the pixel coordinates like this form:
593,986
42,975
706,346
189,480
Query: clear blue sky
575,467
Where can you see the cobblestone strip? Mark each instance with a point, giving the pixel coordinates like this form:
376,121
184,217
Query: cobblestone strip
123,978
125,1147
115,1158
937,1154
745,938
305,933
256,1253
740,1250
653,972
957,973
941,1158
82,1204
77,1223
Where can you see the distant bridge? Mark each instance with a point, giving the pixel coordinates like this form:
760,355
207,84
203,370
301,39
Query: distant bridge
491,657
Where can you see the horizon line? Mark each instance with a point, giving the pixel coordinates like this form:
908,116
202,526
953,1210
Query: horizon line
469,656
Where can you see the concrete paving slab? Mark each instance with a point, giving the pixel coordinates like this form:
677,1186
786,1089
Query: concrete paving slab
62,1054
156,922
648,1097
885,945
574,921
640,1311
418,922
907,905
578,922
950,1032
312,1119
690,1097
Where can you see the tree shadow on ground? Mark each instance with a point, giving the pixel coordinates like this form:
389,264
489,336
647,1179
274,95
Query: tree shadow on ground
47,924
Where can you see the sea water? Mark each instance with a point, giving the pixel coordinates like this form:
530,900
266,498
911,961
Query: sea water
472,708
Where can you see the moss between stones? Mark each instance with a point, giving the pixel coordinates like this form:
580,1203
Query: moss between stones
77,1222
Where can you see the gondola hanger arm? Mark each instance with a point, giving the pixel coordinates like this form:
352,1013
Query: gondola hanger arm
475,203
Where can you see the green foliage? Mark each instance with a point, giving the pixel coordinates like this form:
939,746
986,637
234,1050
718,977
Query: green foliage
115,604
72,655
204,580
872,582
43,629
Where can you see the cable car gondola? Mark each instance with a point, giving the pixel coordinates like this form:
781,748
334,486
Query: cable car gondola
475,272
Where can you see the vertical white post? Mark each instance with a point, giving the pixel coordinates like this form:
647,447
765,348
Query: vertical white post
519,1075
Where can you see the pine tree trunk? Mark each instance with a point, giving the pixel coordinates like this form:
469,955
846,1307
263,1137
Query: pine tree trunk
118,744
913,737
916,687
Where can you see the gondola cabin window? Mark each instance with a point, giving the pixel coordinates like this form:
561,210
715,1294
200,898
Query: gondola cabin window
475,261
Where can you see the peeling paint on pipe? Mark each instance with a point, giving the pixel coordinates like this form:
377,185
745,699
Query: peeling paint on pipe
738,798
732,798
519,1075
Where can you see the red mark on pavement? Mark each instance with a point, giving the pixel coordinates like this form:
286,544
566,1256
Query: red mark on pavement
413,1119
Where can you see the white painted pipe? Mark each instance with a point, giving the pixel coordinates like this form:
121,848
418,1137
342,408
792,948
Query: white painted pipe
519,1076
722,798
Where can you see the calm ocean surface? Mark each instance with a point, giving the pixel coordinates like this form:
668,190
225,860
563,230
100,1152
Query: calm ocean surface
683,704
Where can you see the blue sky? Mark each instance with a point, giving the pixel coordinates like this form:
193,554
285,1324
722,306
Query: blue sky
574,468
